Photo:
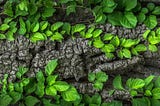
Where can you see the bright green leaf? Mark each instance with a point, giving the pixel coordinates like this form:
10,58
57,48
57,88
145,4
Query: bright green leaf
51,66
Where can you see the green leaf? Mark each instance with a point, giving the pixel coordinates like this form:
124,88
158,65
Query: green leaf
151,21
148,93
47,102
98,85
13,27
31,87
156,10
71,9
51,91
140,48
141,102
35,27
8,9
115,41
40,77
128,43
71,94
114,103
129,5
101,76
5,100
115,17
117,83
135,83
133,93
126,53
16,96
97,33
2,36
21,71
96,99
108,48
128,20
155,102
144,10
37,37
31,101
141,17
56,26
51,66
98,43
91,77
108,6
109,55
67,27
134,51
120,54
61,86
146,33
108,36
48,12
51,79
151,6
24,81
57,36
49,33
43,25
4,27
156,82
152,48
148,80
40,89
9,36
77,28
156,93
32,8
100,18
153,40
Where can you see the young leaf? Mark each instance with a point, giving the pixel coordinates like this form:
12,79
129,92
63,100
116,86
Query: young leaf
2,36
152,48
108,36
146,33
109,55
120,54
31,101
135,83
50,90
4,27
97,33
128,43
151,21
96,99
91,77
57,36
61,86
117,82
140,48
77,28
115,41
40,77
98,43
126,53
21,72
134,51
148,80
98,85
51,79
43,25
101,76
56,26
108,48
35,27
37,36
71,94
128,20
51,66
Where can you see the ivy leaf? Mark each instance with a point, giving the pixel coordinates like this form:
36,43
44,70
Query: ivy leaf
48,12
101,76
151,21
4,27
152,48
51,79
77,28
115,41
97,33
61,85
156,93
108,48
140,48
56,26
5,99
108,36
126,53
71,9
91,77
37,36
2,36
98,43
57,36
135,83
50,90
31,101
156,11
51,66
71,94
146,33
22,29
129,5
128,20
98,85
117,83
16,96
